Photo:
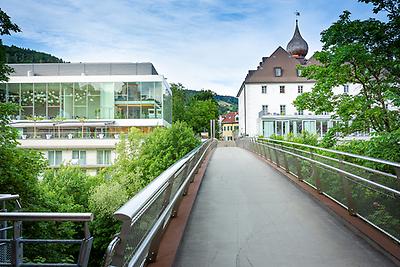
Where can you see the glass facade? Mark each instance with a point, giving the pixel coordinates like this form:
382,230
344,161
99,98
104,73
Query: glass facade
92,100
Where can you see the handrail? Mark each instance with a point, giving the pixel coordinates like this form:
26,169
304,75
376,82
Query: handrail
339,170
145,216
46,216
376,160
358,192
135,204
5,197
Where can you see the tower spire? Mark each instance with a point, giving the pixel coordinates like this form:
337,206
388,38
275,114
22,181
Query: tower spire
297,46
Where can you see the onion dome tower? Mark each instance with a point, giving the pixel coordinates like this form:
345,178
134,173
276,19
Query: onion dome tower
297,47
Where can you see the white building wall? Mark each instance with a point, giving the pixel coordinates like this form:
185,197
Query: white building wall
255,99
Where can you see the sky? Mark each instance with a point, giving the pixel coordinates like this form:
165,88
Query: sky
204,44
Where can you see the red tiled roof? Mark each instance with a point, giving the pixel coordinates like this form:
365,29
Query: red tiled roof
229,117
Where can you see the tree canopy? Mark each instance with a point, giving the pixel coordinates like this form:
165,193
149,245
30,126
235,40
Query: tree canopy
362,52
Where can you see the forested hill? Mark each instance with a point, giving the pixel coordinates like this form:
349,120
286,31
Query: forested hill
16,54
225,103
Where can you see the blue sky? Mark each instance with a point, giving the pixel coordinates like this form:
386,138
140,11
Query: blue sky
208,44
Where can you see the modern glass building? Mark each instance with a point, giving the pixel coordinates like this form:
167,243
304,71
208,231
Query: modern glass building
74,101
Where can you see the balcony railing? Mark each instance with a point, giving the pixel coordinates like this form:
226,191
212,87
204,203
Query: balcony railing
13,244
145,217
70,135
368,188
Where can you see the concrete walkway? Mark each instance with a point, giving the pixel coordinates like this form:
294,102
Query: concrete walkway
248,214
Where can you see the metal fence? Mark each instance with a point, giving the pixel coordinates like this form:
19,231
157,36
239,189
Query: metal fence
367,187
13,243
145,217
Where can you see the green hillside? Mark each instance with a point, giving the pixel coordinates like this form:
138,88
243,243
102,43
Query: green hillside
225,103
16,54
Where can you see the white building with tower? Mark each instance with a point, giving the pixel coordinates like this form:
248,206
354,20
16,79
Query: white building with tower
266,95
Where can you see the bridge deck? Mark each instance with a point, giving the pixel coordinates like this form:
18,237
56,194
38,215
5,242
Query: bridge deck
248,214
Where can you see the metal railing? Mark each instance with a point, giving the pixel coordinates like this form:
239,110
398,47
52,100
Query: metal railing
145,217
13,244
353,181
70,135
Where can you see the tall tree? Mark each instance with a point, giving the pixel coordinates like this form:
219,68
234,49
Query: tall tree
364,52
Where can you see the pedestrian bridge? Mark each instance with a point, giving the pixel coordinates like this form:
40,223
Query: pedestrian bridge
254,203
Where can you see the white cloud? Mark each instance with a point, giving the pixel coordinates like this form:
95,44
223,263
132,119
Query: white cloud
207,44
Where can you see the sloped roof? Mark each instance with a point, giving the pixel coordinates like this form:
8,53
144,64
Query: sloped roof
229,117
265,72
280,58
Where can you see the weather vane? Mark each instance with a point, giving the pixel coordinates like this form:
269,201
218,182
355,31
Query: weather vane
297,14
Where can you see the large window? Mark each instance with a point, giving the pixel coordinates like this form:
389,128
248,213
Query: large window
108,100
79,157
54,157
104,157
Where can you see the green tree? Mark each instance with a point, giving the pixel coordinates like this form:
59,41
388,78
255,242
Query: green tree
6,28
179,102
364,52
199,114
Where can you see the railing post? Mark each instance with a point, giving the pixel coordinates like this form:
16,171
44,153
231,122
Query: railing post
16,245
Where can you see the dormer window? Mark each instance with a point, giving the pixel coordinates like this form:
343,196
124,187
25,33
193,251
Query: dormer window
298,72
278,71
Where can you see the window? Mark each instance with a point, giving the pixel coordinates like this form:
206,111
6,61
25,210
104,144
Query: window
298,73
104,157
283,109
346,88
54,157
282,89
79,156
264,109
300,89
300,112
264,89
278,71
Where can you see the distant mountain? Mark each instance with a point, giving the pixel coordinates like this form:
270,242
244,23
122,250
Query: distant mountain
16,54
225,103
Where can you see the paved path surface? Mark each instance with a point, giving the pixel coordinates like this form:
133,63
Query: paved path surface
248,214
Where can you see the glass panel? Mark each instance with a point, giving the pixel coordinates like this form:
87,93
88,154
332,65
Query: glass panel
133,92
53,100
67,90
93,100
310,126
75,154
268,128
50,156
100,156
158,99
13,93
82,157
58,159
134,112
80,100
3,92
167,105
121,97
40,100
27,94
107,157
107,100
279,127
